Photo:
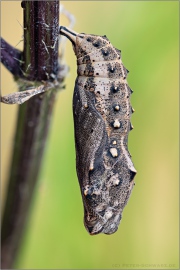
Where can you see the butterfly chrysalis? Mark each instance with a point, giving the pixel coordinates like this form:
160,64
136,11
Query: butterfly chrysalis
102,112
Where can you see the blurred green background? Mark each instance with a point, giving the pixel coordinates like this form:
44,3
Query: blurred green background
147,33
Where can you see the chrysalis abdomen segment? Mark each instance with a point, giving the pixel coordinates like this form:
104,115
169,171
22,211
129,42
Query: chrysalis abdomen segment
102,111
107,53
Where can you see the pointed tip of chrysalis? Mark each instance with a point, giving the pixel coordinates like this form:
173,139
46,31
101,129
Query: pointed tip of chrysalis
131,127
132,110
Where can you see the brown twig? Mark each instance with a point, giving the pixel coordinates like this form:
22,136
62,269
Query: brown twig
40,62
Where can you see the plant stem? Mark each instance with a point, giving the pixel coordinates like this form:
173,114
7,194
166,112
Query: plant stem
40,62
11,58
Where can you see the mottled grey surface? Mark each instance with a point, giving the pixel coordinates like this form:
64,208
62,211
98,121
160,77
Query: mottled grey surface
102,112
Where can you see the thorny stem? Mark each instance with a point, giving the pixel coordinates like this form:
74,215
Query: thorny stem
40,58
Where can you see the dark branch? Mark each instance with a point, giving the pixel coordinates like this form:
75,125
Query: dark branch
41,39
11,58
40,56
